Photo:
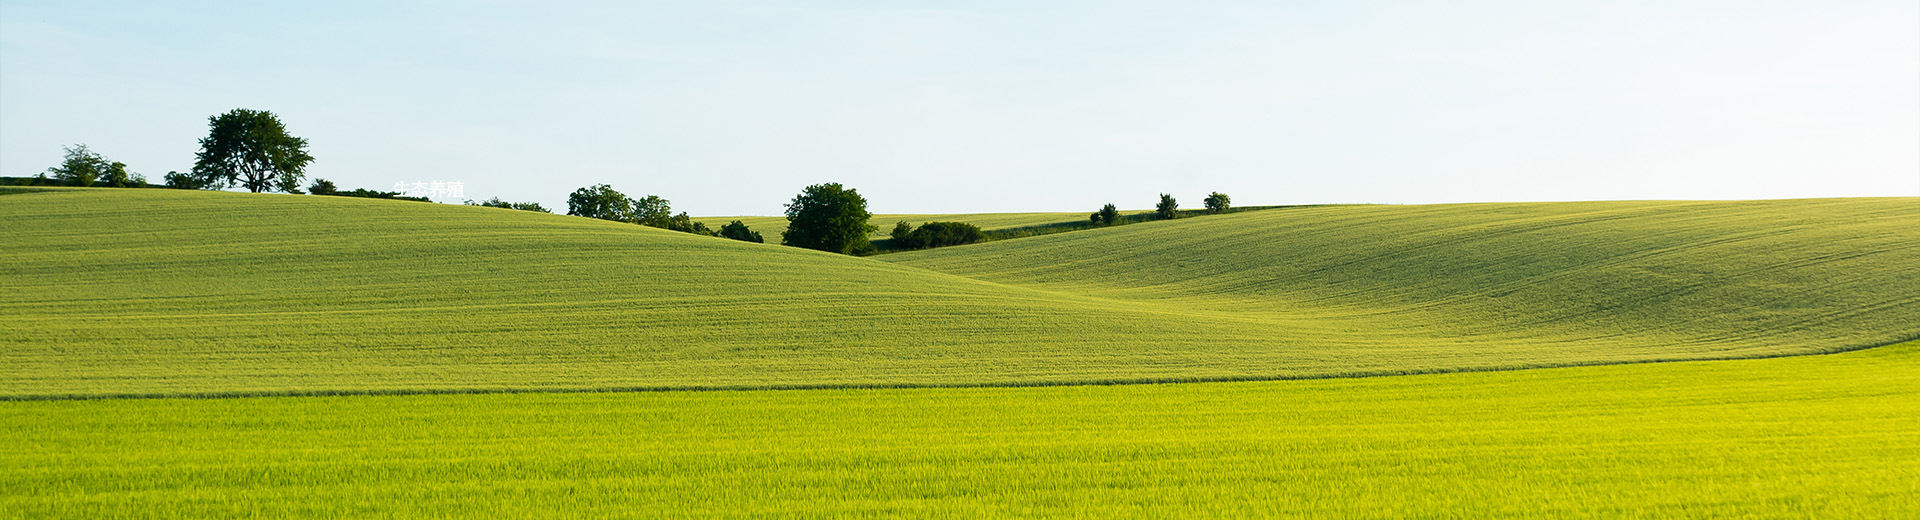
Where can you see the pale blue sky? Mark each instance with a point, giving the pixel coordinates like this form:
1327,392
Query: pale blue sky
732,107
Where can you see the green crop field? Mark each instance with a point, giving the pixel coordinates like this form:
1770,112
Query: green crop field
162,292
1831,436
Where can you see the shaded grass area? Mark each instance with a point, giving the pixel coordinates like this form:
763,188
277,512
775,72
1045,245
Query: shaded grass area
1814,436
163,292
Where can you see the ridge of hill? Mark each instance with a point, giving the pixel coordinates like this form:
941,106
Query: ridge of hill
161,292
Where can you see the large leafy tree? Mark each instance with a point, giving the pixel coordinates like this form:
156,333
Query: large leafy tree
82,166
602,202
829,217
251,148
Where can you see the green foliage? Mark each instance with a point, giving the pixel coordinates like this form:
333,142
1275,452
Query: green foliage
406,297
1167,208
1107,216
938,234
602,202
653,211
829,217
253,149
901,230
363,193
1802,437
738,231
323,187
184,181
496,202
1218,203
81,167
685,224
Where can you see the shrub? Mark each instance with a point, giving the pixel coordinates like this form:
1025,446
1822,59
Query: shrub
737,230
497,203
1107,216
1167,208
939,234
685,224
1217,202
322,187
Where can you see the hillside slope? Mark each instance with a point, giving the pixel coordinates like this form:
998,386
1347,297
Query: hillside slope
1793,275
157,292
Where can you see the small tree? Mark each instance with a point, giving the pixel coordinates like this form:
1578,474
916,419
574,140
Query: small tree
737,230
829,217
251,148
1107,215
118,177
600,201
1167,208
1218,202
82,166
183,181
900,232
323,187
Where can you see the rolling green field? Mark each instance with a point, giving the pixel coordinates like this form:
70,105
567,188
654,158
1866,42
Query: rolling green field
161,292
1831,436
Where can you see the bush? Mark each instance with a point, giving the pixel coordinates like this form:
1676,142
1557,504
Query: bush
939,234
497,203
1107,216
737,230
1167,209
1217,202
900,232
182,181
320,187
685,224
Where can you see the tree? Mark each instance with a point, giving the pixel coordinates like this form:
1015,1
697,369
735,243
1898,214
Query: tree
82,166
1218,202
900,232
323,187
251,148
829,217
1167,208
118,177
185,181
1107,215
737,230
653,211
685,224
601,202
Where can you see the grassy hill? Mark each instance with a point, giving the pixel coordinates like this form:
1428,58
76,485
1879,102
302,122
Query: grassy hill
160,292
1802,437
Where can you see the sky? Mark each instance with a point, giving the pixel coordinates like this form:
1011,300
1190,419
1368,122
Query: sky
731,107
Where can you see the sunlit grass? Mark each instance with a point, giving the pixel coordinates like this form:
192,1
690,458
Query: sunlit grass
1803,437
163,292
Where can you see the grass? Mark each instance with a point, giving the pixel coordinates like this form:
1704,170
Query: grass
163,292
1804,437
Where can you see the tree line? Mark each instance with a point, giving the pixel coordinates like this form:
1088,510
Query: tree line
252,149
